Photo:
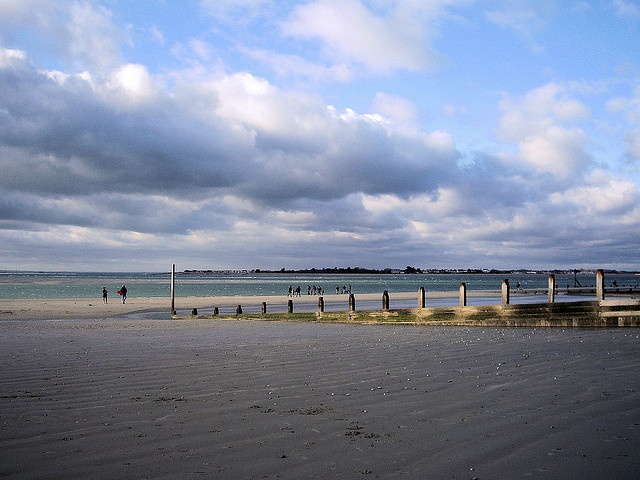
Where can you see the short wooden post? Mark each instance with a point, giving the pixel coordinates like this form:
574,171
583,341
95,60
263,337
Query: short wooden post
264,308
239,310
552,288
320,304
290,306
352,302
505,292
385,300
194,312
600,285
216,311
422,298
463,294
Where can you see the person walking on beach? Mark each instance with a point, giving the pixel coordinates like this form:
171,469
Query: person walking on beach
123,292
104,294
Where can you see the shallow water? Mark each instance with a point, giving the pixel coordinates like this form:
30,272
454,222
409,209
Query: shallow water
16,285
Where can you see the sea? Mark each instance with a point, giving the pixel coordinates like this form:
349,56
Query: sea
37,285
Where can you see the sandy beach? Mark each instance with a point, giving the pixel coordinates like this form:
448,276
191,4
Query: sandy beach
127,397
75,308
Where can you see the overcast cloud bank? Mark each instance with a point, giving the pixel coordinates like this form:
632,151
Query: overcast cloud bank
317,134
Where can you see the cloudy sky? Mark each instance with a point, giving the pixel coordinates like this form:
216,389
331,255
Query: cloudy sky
319,133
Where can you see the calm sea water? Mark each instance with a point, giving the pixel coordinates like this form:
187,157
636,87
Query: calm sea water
17,285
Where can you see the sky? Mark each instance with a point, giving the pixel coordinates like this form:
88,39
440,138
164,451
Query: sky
242,134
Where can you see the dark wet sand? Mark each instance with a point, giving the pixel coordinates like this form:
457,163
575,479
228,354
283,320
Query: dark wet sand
229,399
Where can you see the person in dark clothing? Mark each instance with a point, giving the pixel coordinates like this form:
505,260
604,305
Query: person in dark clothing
123,292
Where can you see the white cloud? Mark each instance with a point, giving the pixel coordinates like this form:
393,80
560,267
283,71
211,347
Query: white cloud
537,122
134,81
602,194
157,35
91,38
525,17
397,109
83,34
22,11
10,57
235,9
288,65
629,106
353,34
627,9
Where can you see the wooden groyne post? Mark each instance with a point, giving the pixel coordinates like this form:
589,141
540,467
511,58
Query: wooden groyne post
552,288
290,306
463,294
320,304
505,292
600,285
352,302
385,300
264,308
422,298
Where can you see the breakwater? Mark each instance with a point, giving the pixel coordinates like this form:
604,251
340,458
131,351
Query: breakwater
623,311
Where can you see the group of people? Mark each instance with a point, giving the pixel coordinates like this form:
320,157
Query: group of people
122,292
311,290
315,290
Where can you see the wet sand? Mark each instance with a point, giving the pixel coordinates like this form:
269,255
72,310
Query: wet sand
74,308
232,399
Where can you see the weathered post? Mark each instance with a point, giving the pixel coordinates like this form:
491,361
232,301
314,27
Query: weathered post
216,311
385,300
264,308
422,299
290,306
600,285
505,292
463,294
552,288
320,304
352,302
239,310
194,312
173,289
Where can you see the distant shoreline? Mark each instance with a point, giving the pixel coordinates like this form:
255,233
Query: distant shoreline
406,271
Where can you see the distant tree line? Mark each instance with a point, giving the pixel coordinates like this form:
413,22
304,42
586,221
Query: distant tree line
407,270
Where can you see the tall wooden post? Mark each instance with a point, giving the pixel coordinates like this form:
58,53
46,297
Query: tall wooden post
320,304
173,289
600,285
463,294
385,300
505,292
352,302
422,298
290,306
264,308
552,288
